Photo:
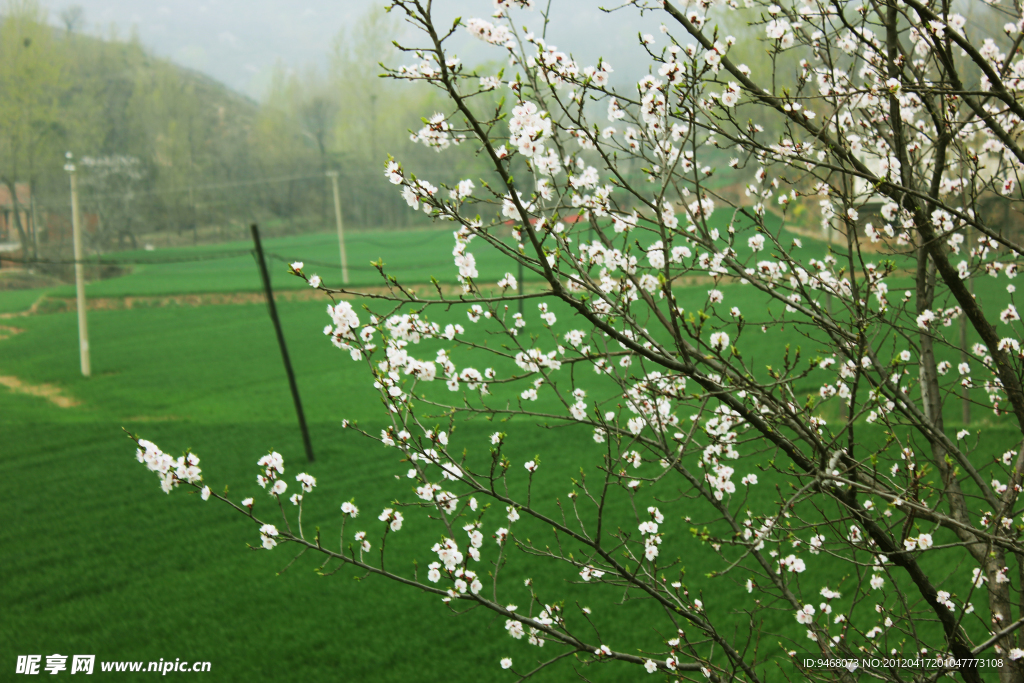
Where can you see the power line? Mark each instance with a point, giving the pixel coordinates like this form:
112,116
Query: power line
193,188
118,262
212,257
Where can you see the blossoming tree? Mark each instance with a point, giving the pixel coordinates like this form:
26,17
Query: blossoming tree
814,474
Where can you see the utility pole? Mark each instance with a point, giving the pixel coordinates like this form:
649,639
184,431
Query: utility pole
76,231
333,175
265,274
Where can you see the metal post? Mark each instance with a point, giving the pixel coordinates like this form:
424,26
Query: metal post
333,175
522,287
280,341
76,232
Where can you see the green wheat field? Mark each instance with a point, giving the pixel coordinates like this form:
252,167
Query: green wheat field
97,560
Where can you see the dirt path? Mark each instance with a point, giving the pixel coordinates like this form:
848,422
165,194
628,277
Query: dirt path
47,391
31,310
120,303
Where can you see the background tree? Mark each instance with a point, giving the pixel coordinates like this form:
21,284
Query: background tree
73,18
30,79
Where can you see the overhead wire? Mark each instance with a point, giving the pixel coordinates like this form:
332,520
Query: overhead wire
118,262
209,257
193,188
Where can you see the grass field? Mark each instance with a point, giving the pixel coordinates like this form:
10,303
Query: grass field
98,561
417,255
229,267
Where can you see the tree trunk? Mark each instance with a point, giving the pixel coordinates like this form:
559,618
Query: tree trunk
16,211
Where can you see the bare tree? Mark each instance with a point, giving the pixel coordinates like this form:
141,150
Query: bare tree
317,114
73,18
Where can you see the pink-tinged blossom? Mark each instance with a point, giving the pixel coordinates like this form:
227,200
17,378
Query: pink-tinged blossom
393,517
448,552
269,533
1009,344
515,628
488,32
793,564
393,172
529,129
719,341
978,577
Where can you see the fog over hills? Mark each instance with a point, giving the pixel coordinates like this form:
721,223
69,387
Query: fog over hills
238,42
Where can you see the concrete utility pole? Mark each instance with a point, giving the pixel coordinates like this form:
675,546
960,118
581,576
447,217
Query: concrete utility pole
333,175
76,231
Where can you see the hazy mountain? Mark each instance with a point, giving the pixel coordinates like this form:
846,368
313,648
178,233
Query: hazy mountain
239,41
